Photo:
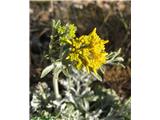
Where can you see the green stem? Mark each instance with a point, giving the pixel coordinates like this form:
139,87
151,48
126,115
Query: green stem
55,85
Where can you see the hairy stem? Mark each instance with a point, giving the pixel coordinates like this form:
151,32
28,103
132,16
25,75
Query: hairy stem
55,85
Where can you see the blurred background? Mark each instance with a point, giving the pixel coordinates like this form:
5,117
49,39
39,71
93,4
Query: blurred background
112,20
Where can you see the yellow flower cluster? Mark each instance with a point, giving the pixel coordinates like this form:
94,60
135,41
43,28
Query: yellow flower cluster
88,51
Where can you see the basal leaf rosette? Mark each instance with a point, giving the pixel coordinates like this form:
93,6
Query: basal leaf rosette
88,51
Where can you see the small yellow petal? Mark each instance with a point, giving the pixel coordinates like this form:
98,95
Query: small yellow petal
87,68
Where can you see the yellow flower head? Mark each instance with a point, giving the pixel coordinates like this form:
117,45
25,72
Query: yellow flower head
88,51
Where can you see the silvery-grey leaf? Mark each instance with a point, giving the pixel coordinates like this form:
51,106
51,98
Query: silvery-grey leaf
47,70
